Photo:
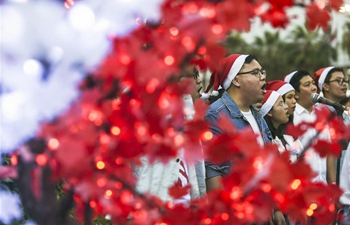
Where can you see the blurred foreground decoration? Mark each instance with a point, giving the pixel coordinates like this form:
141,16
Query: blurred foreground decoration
128,107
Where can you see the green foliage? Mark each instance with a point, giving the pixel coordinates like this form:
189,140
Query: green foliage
346,38
300,50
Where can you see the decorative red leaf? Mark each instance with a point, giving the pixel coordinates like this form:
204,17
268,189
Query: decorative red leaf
317,17
176,191
336,4
325,148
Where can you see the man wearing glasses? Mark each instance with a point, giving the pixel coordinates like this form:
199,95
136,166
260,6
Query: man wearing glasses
332,82
243,80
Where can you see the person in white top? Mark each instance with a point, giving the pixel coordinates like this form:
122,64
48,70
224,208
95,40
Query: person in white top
304,86
156,178
345,185
276,113
333,84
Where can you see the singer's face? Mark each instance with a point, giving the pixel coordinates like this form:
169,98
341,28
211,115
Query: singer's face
279,113
333,90
291,102
307,87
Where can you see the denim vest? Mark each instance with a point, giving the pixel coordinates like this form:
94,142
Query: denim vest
227,106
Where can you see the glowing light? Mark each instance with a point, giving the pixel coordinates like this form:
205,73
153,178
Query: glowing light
118,160
309,212
53,144
68,3
190,8
41,159
81,17
266,188
279,198
152,85
207,136
202,50
239,215
100,165
92,204
33,67
258,163
332,132
179,140
138,205
169,60
118,185
208,12
331,207
125,59
108,193
188,43
104,139
174,31
225,216
141,130
295,184
313,206
163,101
217,29
93,115
126,197
321,4
319,126
207,221
101,182
14,160
235,193
115,130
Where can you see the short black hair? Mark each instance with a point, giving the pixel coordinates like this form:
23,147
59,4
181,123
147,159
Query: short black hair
295,81
330,72
249,59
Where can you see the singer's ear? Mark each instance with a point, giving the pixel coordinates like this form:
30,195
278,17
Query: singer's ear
325,87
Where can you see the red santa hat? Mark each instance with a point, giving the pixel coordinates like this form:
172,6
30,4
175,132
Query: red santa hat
227,70
320,76
288,77
270,99
280,86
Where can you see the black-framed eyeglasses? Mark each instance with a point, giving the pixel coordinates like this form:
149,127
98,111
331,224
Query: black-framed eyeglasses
340,81
258,73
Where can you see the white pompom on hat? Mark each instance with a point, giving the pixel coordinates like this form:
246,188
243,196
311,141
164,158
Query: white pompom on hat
270,99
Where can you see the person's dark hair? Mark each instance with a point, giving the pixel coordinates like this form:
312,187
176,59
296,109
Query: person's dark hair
328,77
213,98
249,59
295,81
275,132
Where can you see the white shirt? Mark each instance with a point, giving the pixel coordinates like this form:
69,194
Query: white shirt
317,164
345,178
294,147
249,116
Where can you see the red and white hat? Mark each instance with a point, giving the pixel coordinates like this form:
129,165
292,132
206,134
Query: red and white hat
270,99
288,77
227,70
280,86
320,76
